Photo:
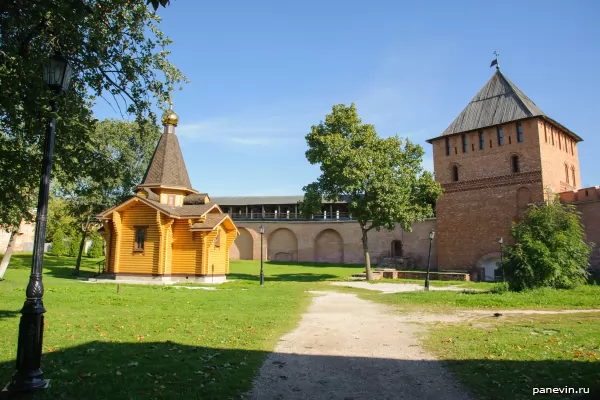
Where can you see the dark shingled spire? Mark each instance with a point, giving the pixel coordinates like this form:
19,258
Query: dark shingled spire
167,167
498,102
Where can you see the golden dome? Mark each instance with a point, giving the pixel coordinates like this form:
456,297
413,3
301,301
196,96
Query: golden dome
170,117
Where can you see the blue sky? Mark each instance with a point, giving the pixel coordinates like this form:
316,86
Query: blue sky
263,72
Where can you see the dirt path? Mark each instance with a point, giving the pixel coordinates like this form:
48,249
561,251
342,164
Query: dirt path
348,348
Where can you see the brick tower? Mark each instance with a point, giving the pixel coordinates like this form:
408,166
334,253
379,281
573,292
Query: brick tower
500,154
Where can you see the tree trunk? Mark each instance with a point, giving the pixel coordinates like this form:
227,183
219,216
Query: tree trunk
365,242
9,250
81,247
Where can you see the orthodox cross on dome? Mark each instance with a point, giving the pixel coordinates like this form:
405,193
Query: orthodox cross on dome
495,62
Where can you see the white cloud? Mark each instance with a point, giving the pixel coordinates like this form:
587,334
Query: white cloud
246,130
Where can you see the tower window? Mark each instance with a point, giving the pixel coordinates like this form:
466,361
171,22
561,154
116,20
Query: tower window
500,137
472,146
140,238
481,141
171,200
567,173
464,143
546,133
573,174
558,136
552,135
454,173
455,150
447,146
516,168
520,133
490,143
572,151
509,140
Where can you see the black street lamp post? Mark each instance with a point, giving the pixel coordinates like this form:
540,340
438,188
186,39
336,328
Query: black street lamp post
431,236
501,241
29,376
262,274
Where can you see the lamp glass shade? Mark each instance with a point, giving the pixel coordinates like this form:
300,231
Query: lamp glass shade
431,235
57,73
261,229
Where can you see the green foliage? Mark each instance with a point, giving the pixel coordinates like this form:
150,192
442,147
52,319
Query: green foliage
549,251
312,203
60,218
382,179
59,247
157,3
118,53
97,248
74,243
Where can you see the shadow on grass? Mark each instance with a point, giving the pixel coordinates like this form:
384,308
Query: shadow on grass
58,267
4,314
313,264
166,370
284,277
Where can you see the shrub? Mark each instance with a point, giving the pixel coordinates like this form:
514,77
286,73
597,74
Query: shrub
74,243
97,248
59,247
549,251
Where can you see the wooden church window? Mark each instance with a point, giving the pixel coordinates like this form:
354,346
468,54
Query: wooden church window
171,200
140,238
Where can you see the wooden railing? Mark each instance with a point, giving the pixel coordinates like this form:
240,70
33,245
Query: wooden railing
326,216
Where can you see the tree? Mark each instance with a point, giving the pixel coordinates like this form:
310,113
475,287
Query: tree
14,233
549,249
312,203
381,178
119,55
97,248
122,152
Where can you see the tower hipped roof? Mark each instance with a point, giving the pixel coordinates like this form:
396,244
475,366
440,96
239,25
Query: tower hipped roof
498,102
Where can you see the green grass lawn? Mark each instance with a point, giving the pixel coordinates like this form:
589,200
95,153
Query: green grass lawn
438,283
149,342
584,297
160,342
506,357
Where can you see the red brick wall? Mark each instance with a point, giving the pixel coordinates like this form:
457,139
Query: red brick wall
555,154
471,219
478,209
587,201
491,161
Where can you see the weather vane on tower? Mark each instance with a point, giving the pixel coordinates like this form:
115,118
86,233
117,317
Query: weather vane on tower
495,62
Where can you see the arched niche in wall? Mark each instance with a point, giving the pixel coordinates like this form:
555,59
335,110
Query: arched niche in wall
245,244
282,245
329,247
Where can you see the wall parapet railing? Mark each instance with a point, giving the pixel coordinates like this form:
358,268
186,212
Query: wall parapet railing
326,216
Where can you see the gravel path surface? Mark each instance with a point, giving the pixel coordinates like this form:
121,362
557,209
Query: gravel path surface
348,348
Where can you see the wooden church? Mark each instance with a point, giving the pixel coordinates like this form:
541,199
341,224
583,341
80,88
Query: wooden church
168,231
